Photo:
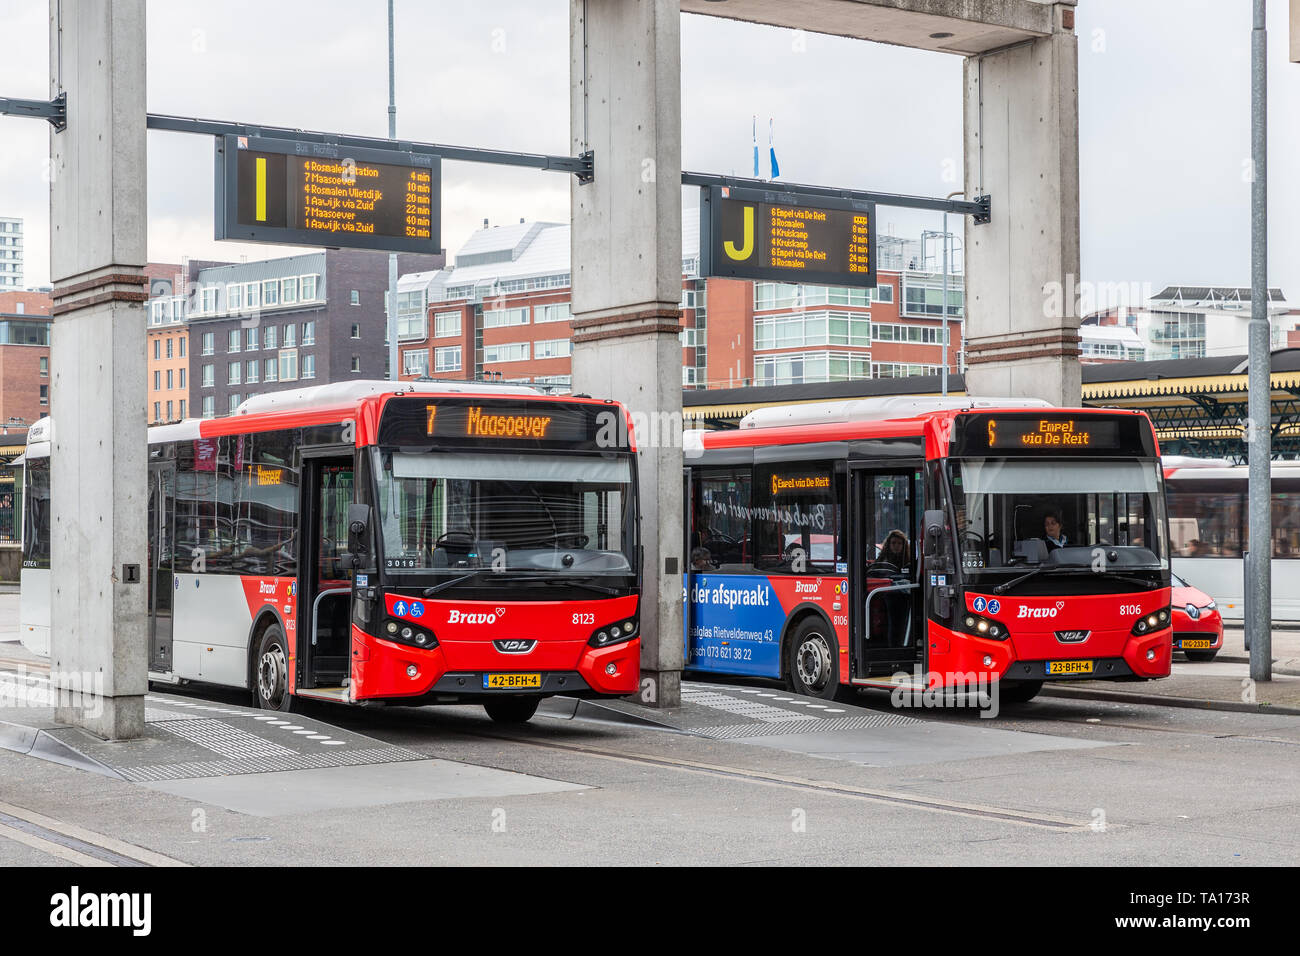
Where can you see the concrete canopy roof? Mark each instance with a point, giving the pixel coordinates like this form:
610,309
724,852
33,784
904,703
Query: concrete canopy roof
974,26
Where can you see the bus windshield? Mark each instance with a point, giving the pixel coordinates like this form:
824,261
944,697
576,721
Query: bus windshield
550,514
1015,514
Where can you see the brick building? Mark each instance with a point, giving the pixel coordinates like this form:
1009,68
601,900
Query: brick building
263,326
24,357
165,344
502,311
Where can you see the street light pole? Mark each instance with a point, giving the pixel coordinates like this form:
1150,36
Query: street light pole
1259,606
943,379
394,373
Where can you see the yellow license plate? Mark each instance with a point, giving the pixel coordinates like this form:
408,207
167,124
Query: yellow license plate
1069,667
512,681
1195,644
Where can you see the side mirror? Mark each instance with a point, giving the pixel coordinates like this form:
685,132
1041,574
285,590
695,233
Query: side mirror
934,525
358,529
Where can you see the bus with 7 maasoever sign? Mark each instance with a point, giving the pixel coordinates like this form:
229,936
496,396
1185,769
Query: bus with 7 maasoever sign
371,542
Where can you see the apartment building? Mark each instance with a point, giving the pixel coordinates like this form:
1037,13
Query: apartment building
11,255
24,356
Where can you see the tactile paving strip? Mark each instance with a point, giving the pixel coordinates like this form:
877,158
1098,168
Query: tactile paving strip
752,709
222,768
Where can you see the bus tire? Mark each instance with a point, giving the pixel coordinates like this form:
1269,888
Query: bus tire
1020,692
813,660
512,710
271,672
1201,657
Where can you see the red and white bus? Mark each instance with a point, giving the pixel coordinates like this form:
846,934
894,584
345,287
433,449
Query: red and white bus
372,542
835,545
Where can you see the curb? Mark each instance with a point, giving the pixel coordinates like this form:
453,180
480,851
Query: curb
31,742
1234,659
1159,700
569,708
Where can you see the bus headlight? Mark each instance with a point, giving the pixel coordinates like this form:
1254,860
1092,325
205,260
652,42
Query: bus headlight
614,633
403,633
985,627
1155,621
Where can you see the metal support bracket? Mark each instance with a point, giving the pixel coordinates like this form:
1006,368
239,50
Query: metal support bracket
588,172
985,214
55,110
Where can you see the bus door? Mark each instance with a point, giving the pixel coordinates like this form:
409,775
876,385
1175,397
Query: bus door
162,498
885,613
325,572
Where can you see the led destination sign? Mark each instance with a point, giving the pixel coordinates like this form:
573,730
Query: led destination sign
786,237
311,193
1053,433
503,423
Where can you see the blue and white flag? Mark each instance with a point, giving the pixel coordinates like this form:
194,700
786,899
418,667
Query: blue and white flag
755,145
771,148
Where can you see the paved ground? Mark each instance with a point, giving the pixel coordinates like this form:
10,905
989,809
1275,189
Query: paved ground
759,777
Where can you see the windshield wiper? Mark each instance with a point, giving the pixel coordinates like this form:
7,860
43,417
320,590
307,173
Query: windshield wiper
1056,568
430,591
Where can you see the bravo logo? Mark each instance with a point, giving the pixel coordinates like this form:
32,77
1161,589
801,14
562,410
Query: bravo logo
460,617
807,587
1039,611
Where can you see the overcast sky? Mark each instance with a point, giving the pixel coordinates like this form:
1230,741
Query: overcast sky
1164,117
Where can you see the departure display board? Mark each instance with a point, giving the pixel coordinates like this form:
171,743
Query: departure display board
787,237
1050,433
317,194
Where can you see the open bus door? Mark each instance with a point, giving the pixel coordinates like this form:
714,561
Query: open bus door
325,574
886,620
159,575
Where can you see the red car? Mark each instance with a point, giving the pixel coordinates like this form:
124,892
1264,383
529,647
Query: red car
1198,628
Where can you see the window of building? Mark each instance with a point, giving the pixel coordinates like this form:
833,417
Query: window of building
552,348
182,346
890,332
923,296
209,342
309,366
901,369
271,292
233,373
499,318
412,319
233,340
356,331
309,333
208,377
182,374
234,298
812,328
182,408
289,290
555,312
250,371
355,297
157,411
795,368
291,335
156,348
234,402
884,292
169,411
45,395
252,295
268,337
415,362
511,352
447,360
170,386
446,324
157,380
270,370
209,299
356,363
169,346
45,366
208,406
288,365
309,288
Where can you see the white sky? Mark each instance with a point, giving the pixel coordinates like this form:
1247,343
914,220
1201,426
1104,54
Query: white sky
1164,117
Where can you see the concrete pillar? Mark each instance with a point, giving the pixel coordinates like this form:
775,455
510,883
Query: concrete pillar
625,63
1022,268
98,637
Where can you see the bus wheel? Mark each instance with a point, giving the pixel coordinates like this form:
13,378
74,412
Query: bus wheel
814,667
512,710
271,688
1020,692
